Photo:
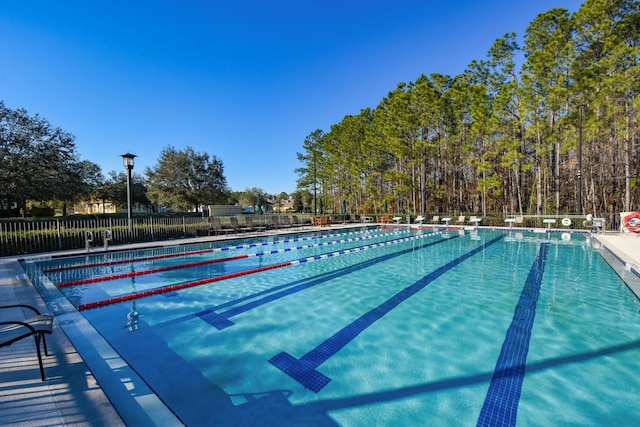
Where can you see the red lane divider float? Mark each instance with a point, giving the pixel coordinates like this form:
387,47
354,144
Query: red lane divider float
124,261
199,263
144,272
187,253
171,288
157,291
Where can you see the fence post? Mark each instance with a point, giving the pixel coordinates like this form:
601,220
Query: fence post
59,236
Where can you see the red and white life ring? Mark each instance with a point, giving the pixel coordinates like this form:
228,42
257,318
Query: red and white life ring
632,222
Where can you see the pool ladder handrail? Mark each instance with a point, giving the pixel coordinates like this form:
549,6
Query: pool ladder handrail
107,238
88,239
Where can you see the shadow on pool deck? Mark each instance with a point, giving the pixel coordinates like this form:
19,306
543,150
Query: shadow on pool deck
71,395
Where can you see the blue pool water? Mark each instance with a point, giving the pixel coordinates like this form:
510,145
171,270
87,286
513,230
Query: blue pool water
374,327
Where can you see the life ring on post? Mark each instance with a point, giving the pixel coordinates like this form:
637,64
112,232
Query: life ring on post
632,222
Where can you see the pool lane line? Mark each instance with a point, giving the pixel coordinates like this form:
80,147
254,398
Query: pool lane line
503,396
304,370
180,286
221,320
90,280
199,251
124,261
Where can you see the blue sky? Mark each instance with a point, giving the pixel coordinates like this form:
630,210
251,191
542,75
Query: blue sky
245,81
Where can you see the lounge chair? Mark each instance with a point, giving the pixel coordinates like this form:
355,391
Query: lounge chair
322,221
419,219
271,223
254,227
239,228
461,219
295,222
284,222
14,330
435,219
217,227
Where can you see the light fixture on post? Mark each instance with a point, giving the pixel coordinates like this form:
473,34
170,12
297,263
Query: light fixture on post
127,160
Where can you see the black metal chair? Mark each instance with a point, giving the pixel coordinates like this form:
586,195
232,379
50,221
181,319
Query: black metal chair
14,330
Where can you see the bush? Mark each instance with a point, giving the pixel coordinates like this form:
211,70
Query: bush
41,211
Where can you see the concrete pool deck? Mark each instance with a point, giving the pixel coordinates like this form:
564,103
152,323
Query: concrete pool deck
71,395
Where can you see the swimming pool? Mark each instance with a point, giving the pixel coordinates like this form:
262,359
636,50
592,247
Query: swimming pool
384,327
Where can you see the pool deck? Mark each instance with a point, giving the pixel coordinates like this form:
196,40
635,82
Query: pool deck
71,395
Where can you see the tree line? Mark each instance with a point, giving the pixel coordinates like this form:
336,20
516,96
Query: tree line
41,170
556,134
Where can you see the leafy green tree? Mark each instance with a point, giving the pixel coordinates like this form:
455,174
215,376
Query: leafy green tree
114,189
302,200
186,179
252,197
39,162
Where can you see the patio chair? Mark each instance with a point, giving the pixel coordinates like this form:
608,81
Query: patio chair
284,222
238,227
435,219
217,227
256,227
461,219
322,221
295,222
36,326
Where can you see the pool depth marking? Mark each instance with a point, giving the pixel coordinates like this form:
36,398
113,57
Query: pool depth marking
180,286
501,403
198,252
128,274
304,370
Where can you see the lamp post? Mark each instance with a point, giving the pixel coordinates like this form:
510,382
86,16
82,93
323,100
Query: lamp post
127,160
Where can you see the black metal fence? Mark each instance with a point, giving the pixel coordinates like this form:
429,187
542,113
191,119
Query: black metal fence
35,236
19,237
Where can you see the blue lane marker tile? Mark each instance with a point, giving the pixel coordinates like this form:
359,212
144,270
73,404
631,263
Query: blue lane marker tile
319,280
304,370
216,320
501,404
281,291
304,373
